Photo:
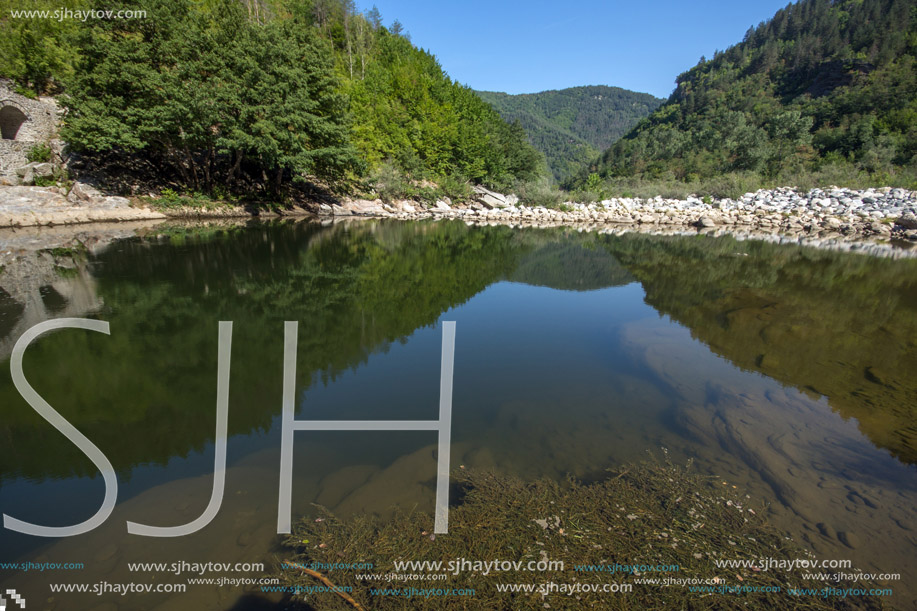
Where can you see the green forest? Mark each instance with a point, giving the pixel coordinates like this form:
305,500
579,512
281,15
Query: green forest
572,126
824,92
258,95
266,98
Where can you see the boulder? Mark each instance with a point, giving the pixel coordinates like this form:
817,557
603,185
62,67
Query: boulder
705,221
29,172
364,207
489,198
81,193
42,169
441,205
908,221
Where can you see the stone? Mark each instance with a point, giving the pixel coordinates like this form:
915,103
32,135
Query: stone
26,174
82,193
705,221
489,198
908,221
43,169
441,205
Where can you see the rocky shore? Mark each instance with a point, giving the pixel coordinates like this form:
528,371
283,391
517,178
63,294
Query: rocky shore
870,220
24,206
877,213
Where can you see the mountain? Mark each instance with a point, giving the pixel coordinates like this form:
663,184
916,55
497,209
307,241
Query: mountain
571,126
824,89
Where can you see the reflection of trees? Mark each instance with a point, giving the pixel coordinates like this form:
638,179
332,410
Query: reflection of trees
571,266
147,392
840,325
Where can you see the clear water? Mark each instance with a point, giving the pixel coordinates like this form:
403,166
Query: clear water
788,372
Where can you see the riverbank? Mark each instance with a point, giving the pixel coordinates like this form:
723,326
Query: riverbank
882,213
832,217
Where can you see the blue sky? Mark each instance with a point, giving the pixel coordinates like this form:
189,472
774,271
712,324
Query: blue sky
524,47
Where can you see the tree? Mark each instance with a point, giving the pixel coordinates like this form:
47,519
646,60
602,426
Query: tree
374,17
206,95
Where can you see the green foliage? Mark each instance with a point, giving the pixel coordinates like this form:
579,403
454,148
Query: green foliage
40,153
820,84
23,91
44,181
390,183
571,126
539,192
38,53
209,93
407,112
169,199
219,92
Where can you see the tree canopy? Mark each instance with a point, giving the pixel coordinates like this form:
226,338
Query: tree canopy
822,83
220,93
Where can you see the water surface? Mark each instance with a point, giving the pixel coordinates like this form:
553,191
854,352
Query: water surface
786,371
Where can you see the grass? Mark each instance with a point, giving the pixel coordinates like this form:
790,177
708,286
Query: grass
67,251
170,200
648,514
40,153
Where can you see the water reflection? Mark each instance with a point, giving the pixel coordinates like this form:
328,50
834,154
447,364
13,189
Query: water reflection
784,370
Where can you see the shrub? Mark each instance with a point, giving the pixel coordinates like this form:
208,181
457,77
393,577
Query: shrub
539,192
40,153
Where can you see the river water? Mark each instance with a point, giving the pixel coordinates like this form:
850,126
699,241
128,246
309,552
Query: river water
786,371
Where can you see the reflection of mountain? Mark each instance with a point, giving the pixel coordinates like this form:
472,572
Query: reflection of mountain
146,393
835,324
571,266
841,325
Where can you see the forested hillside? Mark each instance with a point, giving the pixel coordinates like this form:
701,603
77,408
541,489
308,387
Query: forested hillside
254,95
824,91
572,126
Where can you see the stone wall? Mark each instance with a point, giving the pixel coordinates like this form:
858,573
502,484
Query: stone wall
23,123
13,154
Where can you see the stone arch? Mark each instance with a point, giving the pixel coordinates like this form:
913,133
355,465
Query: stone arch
11,119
